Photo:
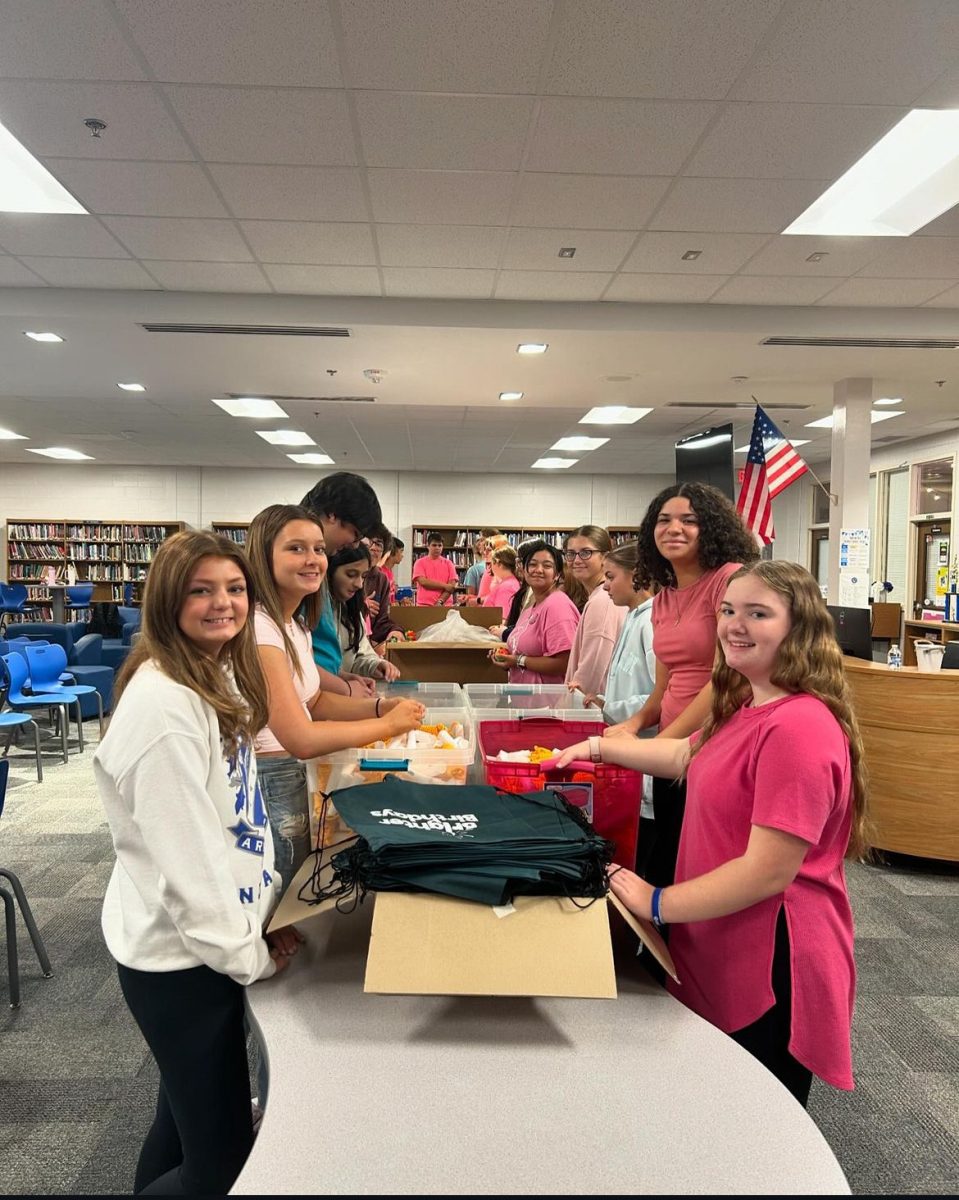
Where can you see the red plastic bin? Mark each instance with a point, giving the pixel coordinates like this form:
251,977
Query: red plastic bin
617,791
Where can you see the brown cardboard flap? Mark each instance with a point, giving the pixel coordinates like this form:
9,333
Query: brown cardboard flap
436,945
648,934
291,910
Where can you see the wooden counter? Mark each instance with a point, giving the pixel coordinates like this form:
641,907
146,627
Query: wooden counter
445,662
910,730
933,631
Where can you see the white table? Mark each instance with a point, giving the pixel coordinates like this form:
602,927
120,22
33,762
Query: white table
440,1095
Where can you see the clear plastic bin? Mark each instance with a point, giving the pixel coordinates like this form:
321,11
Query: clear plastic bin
519,701
433,695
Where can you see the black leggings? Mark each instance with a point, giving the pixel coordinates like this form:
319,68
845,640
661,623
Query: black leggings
202,1132
669,806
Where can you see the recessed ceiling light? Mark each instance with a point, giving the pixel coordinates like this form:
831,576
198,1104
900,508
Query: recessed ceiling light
554,464
511,395
7,435
691,255
312,460
579,443
252,406
59,452
285,437
532,347
792,442
826,422
131,387
26,186
613,414
888,400
906,180
43,337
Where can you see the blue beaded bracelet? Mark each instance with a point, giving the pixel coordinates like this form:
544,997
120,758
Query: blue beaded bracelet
654,905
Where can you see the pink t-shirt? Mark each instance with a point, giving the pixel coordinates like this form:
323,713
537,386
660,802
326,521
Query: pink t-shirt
501,594
784,765
543,630
392,582
594,642
268,634
440,570
684,637
485,584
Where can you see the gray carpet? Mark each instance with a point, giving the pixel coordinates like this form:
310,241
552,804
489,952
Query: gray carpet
78,1084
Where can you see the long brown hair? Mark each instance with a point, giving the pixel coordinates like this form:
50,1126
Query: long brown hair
808,660
163,641
264,529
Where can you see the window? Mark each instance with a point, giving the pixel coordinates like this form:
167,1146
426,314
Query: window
933,488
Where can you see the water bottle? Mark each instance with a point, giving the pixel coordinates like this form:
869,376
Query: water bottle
894,657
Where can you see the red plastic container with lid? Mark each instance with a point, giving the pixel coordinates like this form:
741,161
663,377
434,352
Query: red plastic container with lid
611,795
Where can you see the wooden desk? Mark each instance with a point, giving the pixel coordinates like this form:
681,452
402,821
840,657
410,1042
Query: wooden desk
445,662
934,631
910,730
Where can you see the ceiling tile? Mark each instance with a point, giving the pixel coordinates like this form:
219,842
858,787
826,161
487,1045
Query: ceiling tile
666,289
467,133
87,43
291,193
735,205
944,93
789,141
787,255
538,249
551,285
298,126
181,238
947,299
324,281
208,277
915,258
330,242
91,272
139,188
888,293
765,289
857,52
441,283
14,274
945,226
445,45
587,201
286,42
722,253
441,197
615,137
66,235
440,245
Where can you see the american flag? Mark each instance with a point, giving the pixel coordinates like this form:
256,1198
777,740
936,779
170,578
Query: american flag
771,466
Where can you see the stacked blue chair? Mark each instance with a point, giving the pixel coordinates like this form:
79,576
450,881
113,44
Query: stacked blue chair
11,722
13,602
46,664
17,674
78,595
87,661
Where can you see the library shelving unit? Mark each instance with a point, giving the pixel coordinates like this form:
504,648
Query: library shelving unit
458,541
234,530
113,552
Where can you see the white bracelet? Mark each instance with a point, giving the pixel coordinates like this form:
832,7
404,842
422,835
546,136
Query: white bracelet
521,661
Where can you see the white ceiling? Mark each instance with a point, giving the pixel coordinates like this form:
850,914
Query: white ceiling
263,157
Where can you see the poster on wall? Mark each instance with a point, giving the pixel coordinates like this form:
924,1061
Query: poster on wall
854,568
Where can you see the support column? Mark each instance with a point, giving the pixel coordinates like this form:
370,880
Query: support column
849,473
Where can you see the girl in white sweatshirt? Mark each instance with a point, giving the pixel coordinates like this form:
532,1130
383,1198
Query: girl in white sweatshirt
193,882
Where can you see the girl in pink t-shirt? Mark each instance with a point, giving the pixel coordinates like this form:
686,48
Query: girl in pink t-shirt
502,570
761,926
585,554
538,647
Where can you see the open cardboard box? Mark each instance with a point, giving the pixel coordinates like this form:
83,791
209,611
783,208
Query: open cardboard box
436,945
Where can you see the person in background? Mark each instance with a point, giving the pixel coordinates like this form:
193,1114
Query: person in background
585,554
434,575
522,599
287,555
762,930
346,576
539,644
482,549
502,566
382,627
494,541
193,884
390,562
690,542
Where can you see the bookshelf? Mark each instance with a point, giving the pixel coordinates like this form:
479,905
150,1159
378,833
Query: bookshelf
234,530
458,540
111,552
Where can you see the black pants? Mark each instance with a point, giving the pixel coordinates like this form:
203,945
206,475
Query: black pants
202,1131
669,805
768,1038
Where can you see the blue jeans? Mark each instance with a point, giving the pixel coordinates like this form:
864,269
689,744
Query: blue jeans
285,794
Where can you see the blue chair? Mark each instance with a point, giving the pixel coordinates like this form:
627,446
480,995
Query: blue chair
10,913
86,666
13,602
78,595
46,664
128,589
12,722
51,631
16,675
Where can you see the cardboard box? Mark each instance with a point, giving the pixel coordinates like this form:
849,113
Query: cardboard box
445,662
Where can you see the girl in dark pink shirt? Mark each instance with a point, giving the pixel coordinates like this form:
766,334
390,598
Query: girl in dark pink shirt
762,932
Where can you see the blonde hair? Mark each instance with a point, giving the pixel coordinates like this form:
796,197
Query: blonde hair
808,661
164,642
506,557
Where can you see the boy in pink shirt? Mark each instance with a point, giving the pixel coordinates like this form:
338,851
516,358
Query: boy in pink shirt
434,575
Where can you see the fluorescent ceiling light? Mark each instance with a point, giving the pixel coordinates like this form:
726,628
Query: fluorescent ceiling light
7,435
579,443
26,186
792,442
60,452
889,400
511,395
905,181
554,464
312,460
613,414
252,406
285,437
43,337
532,347
826,422
131,387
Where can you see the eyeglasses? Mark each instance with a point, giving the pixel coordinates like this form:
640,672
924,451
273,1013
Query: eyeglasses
541,566
572,555
374,542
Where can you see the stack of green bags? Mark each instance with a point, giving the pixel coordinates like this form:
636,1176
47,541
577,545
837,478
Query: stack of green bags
477,843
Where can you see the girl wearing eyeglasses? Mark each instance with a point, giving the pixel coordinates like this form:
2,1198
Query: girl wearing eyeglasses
537,649
585,554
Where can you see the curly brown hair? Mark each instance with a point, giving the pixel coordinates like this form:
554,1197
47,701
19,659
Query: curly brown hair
723,538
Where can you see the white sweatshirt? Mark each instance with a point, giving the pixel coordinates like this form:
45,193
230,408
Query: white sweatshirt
193,881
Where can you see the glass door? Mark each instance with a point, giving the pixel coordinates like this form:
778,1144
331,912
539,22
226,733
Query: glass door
932,565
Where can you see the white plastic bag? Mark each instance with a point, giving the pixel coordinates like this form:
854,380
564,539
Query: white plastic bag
455,629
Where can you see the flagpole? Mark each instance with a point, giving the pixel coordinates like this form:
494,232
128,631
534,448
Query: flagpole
831,496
